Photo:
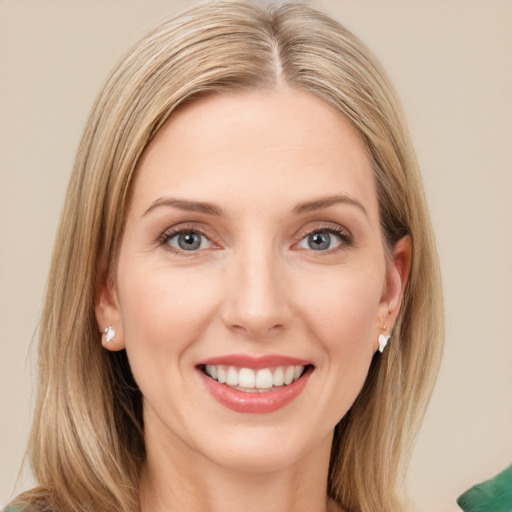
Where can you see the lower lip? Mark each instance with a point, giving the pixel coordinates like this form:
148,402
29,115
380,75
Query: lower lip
256,402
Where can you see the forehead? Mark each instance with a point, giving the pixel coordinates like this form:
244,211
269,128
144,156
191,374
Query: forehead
254,148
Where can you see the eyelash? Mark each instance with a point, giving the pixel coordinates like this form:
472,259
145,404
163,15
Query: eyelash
346,239
168,235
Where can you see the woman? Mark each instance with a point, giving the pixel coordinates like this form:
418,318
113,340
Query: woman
244,231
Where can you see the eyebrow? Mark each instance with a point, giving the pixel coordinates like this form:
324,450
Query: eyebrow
211,209
325,202
182,204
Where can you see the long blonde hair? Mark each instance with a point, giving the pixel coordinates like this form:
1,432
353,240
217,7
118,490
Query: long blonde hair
87,443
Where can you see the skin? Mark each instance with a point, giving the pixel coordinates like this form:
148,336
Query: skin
255,286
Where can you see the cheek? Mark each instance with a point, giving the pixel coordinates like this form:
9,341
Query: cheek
157,300
343,309
342,318
163,312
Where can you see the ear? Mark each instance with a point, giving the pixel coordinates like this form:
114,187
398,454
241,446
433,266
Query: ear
108,314
397,274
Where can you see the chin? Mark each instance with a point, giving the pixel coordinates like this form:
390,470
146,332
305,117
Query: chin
266,449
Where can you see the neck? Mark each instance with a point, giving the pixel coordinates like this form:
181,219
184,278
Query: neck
176,479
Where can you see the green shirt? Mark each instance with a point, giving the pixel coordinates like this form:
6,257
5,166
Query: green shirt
494,495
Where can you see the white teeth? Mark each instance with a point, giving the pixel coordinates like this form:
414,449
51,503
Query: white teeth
221,374
211,370
249,379
264,379
278,379
288,375
232,376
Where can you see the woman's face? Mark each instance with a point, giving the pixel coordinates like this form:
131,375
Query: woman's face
252,284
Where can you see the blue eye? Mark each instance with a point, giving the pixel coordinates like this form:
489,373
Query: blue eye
187,241
320,241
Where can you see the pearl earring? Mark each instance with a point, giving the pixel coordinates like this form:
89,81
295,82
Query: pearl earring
383,340
109,333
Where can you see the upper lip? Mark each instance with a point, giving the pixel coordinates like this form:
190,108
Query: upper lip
255,362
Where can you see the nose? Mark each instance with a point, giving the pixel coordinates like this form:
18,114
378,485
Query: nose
257,295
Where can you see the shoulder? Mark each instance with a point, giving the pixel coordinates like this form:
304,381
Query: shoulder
24,508
30,501
494,494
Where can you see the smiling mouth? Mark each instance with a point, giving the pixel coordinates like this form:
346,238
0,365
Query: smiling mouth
260,380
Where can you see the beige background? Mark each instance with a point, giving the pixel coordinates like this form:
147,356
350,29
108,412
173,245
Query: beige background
451,63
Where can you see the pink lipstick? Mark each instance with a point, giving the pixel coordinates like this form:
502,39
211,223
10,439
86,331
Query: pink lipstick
255,384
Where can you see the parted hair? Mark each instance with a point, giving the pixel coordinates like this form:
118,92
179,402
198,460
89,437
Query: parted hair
87,441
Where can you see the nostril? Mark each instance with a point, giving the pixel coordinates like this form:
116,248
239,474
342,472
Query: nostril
258,330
